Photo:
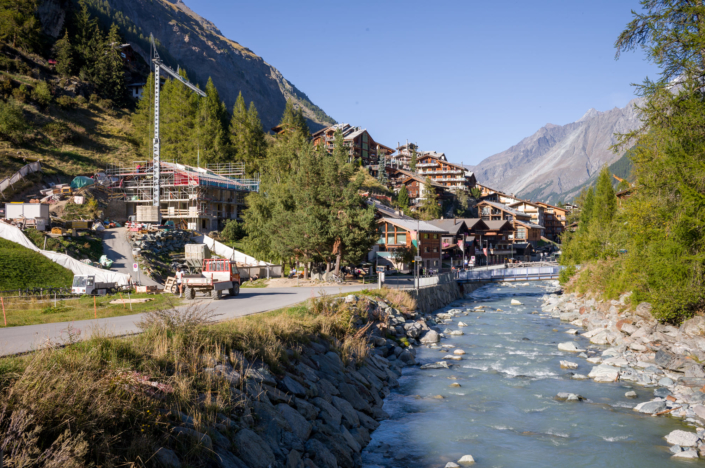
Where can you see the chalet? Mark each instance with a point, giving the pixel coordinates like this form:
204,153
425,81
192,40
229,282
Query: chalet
402,158
524,229
625,194
398,233
555,219
457,243
535,210
492,240
449,175
358,140
490,194
415,187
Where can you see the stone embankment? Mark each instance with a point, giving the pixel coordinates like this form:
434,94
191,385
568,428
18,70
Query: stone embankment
658,357
319,413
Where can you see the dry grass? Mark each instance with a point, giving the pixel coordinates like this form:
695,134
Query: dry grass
111,401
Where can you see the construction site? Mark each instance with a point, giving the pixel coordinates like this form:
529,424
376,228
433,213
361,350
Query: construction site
194,198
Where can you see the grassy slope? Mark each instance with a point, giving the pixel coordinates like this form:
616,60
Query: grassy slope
21,267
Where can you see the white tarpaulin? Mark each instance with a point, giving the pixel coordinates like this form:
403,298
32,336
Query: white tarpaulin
14,234
224,251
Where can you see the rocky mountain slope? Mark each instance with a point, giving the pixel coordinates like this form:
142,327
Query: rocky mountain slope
552,163
197,45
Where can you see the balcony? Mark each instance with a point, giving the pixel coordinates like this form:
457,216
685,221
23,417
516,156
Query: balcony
442,171
433,164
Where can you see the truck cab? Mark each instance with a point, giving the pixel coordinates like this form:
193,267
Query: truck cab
219,269
83,284
217,275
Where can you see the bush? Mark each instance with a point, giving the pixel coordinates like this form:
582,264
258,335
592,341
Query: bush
66,102
80,101
5,85
233,231
59,132
21,93
94,98
42,94
566,274
13,125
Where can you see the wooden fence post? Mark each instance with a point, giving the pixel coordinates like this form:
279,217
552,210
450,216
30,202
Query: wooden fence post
95,310
4,317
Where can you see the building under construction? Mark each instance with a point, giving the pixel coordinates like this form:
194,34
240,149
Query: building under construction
195,198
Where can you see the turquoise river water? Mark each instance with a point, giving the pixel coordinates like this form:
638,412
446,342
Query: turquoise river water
504,413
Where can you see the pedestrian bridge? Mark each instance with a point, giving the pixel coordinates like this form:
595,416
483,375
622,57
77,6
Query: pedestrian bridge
509,275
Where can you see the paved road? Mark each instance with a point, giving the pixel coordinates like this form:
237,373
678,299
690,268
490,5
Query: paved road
250,301
117,249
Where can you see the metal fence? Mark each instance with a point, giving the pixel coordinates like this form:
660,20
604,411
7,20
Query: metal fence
393,282
510,274
19,175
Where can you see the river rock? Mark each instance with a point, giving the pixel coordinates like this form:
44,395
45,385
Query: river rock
665,382
569,397
453,357
572,332
430,336
570,347
569,365
168,458
661,392
683,438
630,394
462,324
687,454
604,373
515,302
466,460
579,377
651,407
459,351
456,333
668,360
694,326
435,365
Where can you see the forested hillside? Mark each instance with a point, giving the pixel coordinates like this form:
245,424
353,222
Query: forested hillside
654,243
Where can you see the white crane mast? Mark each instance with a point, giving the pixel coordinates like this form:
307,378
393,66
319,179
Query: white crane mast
159,65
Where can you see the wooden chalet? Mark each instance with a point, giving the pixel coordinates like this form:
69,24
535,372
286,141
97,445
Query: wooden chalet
524,229
395,233
449,175
358,140
535,210
555,219
490,194
415,187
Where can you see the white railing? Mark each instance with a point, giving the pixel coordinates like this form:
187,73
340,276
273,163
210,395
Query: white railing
19,175
510,274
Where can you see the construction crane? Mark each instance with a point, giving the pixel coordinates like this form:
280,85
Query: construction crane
158,66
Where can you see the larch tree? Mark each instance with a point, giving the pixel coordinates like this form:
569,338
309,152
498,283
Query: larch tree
429,205
403,197
64,56
213,137
178,108
19,25
586,210
110,76
605,204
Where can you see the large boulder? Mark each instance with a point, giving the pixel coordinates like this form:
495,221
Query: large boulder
694,326
651,407
430,337
604,373
254,451
299,425
683,438
643,310
570,347
668,360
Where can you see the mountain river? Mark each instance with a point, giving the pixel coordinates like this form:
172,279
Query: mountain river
505,413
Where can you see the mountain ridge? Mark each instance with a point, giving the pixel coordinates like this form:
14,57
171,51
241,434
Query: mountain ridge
551,163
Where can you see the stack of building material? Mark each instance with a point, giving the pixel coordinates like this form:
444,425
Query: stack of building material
163,241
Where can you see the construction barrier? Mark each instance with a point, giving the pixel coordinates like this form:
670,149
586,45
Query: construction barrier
19,175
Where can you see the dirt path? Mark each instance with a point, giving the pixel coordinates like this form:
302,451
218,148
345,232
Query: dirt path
117,249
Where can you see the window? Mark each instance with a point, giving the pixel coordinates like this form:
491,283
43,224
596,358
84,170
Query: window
426,249
435,250
424,236
390,237
401,238
435,236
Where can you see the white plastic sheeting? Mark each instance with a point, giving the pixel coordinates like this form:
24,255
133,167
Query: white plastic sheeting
224,251
14,234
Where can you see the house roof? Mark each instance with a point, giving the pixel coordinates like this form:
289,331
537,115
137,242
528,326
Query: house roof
530,225
423,181
519,202
450,225
386,210
503,207
412,225
499,225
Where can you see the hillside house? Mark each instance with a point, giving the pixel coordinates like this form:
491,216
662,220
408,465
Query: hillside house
358,140
524,229
397,233
456,242
449,175
415,186
555,219
492,240
535,210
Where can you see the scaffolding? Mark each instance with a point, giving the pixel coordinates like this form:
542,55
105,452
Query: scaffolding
187,193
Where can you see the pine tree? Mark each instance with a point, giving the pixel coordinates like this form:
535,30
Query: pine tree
586,210
110,75
88,42
178,112
293,120
381,166
403,197
429,205
213,138
64,55
248,137
412,163
605,205
143,119
19,24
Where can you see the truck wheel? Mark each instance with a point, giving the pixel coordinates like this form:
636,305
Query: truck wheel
190,293
235,290
218,294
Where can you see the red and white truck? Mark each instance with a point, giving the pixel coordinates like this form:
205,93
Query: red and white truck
217,275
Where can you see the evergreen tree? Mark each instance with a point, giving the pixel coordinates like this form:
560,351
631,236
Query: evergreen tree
64,56
178,112
143,120
293,120
463,203
412,163
110,75
429,205
19,24
248,137
403,197
381,166
605,204
586,210
213,139
88,42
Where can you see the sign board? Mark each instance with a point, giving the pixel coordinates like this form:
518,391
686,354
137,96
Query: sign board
472,259
380,269
381,277
135,267
418,259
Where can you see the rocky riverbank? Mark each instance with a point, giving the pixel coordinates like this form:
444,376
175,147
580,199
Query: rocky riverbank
651,356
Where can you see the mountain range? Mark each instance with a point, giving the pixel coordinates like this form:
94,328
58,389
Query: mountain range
188,41
554,163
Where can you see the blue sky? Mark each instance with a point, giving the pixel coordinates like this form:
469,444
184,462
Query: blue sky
468,78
